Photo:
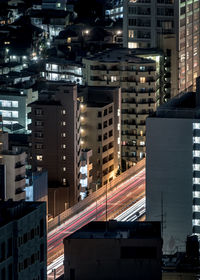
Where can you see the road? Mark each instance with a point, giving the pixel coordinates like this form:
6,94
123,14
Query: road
134,212
131,190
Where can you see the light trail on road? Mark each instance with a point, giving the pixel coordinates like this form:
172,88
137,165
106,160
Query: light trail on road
130,190
133,212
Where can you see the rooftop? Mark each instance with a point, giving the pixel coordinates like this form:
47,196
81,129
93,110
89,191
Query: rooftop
122,54
114,229
13,210
185,105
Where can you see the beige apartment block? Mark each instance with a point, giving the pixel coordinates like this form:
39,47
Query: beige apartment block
139,80
101,132
14,174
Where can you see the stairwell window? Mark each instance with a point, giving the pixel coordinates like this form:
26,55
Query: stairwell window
113,79
142,80
39,157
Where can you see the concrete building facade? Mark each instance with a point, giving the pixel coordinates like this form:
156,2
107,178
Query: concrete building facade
114,250
172,176
13,182
55,138
23,240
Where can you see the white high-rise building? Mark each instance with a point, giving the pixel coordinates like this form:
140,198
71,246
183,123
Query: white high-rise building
173,170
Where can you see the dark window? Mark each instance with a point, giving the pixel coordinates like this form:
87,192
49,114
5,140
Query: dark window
32,233
41,252
110,109
3,251
3,273
99,115
99,150
25,238
110,133
9,247
99,126
41,228
110,121
105,124
72,274
25,263
42,273
10,276
105,112
99,137
138,252
32,259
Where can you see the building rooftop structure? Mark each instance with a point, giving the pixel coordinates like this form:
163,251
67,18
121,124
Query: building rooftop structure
13,210
184,105
122,54
114,229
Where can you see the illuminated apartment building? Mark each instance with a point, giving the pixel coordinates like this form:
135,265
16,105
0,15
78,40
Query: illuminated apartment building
55,139
146,21
101,132
14,108
58,69
114,9
138,78
54,4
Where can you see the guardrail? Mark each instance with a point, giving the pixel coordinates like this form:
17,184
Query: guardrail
58,220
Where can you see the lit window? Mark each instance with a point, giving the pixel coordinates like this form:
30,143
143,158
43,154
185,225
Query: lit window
142,154
142,80
63,112
64,181
196,181
64,146
142,143
118,112
196,167
39,157
15,114
132,45
196,153
118,126
54,67
196,194
196,125
142,68
63,134
64,168
113,79
131,34
196,222
64,157
63,123
15,104
196,140
58,5
5,103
